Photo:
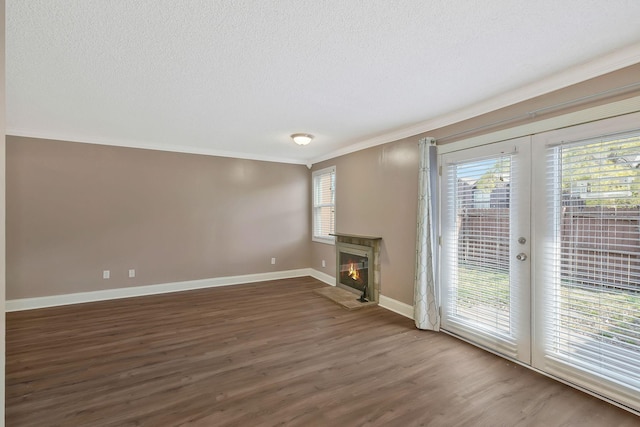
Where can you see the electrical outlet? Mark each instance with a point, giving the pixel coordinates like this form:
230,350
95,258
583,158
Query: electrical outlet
273,260
324,263
132,273
106,274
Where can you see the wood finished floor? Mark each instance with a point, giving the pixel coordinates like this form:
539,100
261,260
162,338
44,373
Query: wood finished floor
273,353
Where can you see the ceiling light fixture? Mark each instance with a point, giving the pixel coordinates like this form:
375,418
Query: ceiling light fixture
302,138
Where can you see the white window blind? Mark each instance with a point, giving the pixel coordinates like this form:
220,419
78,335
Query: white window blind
482,255
324,200
592,286
485,299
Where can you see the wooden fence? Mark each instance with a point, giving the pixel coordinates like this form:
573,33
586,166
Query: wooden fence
599,245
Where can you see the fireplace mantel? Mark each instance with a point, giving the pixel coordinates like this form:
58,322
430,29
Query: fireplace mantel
355,236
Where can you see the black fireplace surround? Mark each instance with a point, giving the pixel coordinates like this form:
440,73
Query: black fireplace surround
357,265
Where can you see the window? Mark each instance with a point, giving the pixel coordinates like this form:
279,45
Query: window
485,215
590,288
324,205
540,252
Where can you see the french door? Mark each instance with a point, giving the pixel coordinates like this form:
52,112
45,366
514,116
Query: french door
485,246
540,252
587,256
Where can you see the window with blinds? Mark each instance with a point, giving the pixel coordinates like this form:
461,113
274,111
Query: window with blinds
592,286
324,201
485,295
481,278
569,198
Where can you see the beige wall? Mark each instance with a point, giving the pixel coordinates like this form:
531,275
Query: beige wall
2,209
74,210
320,252
376,189
376,196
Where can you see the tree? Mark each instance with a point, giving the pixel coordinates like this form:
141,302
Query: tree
603,173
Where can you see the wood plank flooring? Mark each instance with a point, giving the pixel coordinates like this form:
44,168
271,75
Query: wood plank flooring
272,353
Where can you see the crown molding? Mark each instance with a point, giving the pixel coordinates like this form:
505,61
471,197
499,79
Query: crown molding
621,108
146,146
613,61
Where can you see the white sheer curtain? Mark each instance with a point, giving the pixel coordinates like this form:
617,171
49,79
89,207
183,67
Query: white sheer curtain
425,304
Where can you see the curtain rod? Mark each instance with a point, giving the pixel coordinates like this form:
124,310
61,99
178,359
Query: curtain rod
532,114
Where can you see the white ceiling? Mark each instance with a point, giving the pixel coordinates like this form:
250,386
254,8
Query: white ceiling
237,77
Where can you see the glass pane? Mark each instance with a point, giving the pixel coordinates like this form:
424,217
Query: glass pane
324,221
324,203
482,282
324,194
596,293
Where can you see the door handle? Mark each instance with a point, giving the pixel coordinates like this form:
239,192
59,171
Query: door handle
521,256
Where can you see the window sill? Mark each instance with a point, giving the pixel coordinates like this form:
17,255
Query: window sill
325,240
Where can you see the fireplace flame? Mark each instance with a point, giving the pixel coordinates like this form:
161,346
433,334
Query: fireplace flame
353,272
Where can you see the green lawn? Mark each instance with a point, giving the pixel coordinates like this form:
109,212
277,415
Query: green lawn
495,284
617,310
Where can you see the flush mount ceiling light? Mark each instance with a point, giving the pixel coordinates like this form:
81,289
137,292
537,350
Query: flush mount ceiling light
302,138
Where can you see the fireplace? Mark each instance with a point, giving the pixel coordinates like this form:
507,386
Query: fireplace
358,265
353,268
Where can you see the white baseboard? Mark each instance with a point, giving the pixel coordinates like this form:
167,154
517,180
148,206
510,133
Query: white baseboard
391,304
109,294
396,306
323,277
137,291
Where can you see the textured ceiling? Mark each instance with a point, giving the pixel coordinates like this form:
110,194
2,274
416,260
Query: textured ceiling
237,77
